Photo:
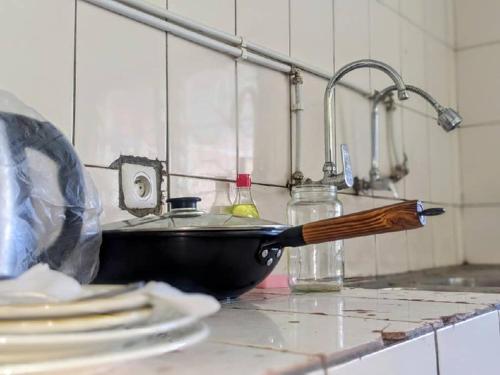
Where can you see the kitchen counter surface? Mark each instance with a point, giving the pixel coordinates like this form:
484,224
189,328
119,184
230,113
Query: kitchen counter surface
273,331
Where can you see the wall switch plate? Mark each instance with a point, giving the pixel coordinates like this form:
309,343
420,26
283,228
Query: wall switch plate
141,182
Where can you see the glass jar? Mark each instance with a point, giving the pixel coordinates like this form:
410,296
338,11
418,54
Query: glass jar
319,267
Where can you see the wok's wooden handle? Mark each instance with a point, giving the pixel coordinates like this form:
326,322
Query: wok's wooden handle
393,218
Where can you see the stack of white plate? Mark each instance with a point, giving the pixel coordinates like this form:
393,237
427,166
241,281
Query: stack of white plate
95,330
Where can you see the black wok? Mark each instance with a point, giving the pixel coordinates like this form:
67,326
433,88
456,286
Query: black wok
228,262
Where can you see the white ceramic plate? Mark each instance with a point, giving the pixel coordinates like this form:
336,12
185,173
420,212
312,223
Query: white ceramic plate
146,346
65,309
75,324
163,318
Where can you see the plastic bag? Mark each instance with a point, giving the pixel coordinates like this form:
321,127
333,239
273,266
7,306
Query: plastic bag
49,206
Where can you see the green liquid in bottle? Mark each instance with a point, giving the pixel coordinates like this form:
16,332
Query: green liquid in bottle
244,206
245,210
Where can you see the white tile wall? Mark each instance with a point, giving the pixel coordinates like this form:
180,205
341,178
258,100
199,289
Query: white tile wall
480,155
311,25
456,164
263,124
470,347
37,59
216,13
414,11
420,248
445,244
312,133
478,84
187,187
120,88
352,37
359,253
271,202
439,71
442,178
391,133
412,60
202,111
264,22
458,223
396,359
439,20
477,24
391,249
481,234
392,254
220,115
352,116
416,146
202,142
384,42
478,56
392,4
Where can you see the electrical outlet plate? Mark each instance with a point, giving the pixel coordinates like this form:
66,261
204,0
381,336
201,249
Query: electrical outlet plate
139,185
141,181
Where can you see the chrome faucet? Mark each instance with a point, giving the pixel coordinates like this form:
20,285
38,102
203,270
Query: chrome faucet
331,176
447,118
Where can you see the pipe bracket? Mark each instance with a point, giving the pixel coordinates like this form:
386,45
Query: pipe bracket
243,56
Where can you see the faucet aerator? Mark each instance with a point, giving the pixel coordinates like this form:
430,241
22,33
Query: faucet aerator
449,119
403,95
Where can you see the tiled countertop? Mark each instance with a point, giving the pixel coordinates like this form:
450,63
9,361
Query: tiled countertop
273,331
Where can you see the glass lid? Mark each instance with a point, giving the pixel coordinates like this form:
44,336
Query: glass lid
184,215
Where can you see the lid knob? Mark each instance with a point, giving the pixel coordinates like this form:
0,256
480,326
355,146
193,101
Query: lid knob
183,202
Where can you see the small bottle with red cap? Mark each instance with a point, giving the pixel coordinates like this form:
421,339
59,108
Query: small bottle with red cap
244,204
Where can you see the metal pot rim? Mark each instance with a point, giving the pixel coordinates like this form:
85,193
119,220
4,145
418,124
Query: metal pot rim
280,227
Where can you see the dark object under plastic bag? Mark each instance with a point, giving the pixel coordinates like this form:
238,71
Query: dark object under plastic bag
49,207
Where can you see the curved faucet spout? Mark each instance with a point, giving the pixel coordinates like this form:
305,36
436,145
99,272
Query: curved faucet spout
329,168
447,118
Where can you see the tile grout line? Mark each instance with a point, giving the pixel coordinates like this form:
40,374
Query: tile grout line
97,166
335,112
401,120
493,306
73,136
436,349
429,165
455,47
480,124
481,205
281,186
498,316
420,27
254,346
333,35
167,114
459,235
370,86
477,46
344,316
237,95
292,140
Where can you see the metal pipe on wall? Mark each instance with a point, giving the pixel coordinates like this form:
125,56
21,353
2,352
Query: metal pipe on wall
297,108
235,41
192,36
